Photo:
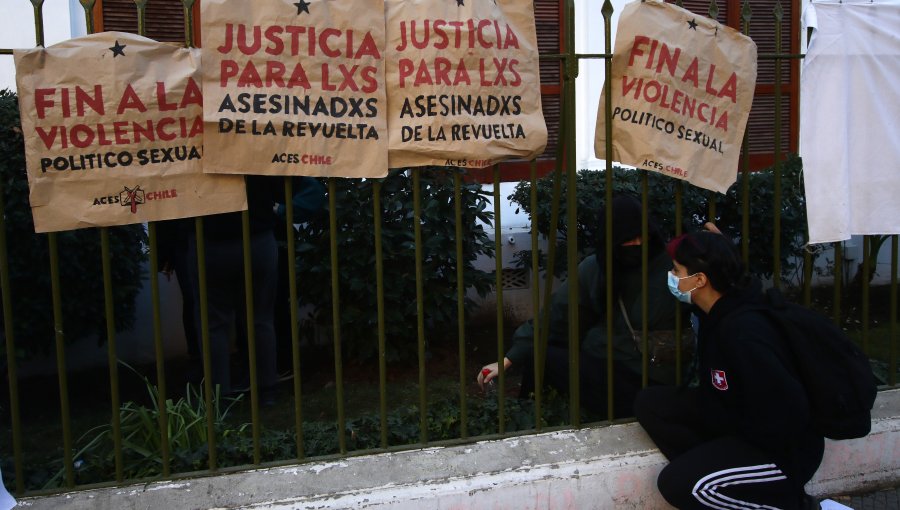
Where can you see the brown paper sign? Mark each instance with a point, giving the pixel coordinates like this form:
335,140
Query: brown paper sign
463,82
114,134
682,87
294,88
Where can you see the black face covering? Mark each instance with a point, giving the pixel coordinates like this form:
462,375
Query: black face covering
627,257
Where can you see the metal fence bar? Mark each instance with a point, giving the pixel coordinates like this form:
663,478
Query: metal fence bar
88,7
65,416
713,9
498,286
162,393
568,117
607,12
460,306
892,363
838,279
141,16
865,294
159,351
420,304
555,198
379,283
746,15
9,332
712,196
336,316
536,300
208,389
776,207
111,347
189,24
679,316
291,237
645,280
807,275
251,334
112,357
189,42
38,6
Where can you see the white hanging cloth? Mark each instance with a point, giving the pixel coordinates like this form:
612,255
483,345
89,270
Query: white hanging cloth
850,119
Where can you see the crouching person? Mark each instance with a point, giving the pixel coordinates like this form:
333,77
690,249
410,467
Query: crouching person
744,438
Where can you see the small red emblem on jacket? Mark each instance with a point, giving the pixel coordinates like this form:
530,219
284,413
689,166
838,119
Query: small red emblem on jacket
718,379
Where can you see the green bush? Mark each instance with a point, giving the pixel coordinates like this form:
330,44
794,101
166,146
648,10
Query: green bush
356,260
81,272
695,211
188,438
94,455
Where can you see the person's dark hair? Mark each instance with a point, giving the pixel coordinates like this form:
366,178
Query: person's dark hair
711,254
626,212
627,218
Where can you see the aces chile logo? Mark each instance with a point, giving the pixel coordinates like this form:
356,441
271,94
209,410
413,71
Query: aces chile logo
133,197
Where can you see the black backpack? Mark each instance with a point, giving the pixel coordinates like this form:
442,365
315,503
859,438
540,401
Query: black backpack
837,375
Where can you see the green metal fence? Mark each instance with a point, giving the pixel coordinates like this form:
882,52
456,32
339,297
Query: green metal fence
19,465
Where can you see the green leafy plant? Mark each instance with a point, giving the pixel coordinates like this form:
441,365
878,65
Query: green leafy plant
591,186
356,260
443,421
188,440
79,259
188,437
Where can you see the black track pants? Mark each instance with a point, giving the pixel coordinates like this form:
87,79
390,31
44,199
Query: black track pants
706,471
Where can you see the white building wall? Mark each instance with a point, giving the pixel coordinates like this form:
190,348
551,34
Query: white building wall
63,19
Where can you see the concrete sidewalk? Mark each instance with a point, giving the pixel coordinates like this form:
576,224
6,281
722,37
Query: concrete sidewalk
611,467
888,499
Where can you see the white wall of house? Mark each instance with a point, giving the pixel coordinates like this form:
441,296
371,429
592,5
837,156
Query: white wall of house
589,39
63,19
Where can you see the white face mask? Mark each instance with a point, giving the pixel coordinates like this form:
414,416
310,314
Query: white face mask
683,296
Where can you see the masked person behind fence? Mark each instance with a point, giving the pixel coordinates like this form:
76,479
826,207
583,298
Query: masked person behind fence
744,438
592,320
225,275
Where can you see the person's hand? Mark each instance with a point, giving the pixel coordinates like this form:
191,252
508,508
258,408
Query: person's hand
490,371
711,227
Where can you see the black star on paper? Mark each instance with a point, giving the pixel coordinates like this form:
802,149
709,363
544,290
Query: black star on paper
460,3
692,24
118,49
302,6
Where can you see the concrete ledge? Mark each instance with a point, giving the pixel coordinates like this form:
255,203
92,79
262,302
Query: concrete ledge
608,467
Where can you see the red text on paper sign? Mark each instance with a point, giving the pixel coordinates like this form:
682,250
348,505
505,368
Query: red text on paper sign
68,102
703,78
665,59
491,71
293,41
81,100
275,74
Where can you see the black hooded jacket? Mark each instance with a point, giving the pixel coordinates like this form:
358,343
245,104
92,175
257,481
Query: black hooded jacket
750,387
